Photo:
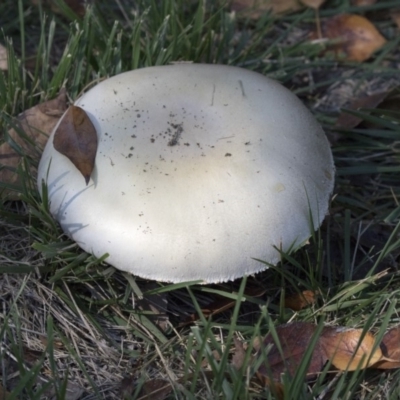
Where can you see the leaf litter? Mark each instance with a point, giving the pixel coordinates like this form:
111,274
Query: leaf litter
76,138
345,348
29,136
355,37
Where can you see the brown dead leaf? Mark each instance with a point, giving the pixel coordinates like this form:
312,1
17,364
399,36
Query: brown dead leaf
349,349
77,6
294,340
349,121
356,38
3,58
390,349
298,301
76,138
315,4
256,8
36,124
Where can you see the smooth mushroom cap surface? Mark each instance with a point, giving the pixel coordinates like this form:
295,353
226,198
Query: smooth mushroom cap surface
200,170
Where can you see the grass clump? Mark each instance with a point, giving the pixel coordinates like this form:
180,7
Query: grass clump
73,326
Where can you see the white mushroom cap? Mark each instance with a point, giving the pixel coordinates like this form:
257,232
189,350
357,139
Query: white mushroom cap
200,170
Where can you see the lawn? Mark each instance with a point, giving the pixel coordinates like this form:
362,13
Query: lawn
74,327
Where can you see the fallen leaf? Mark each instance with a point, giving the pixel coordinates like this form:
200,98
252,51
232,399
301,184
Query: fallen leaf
36,124
390,347
301,300
356,38
349,121
3,58
256,8
349,349
76,138
294,340
315,4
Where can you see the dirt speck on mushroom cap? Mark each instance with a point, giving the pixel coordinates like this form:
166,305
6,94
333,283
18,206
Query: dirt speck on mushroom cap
199,170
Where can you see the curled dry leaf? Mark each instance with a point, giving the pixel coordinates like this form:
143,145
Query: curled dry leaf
3,58
349,349
256,8
356,38
76,138
36,124
294,340
391,350
301,300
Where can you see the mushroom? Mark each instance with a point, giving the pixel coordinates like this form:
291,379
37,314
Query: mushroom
201,171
